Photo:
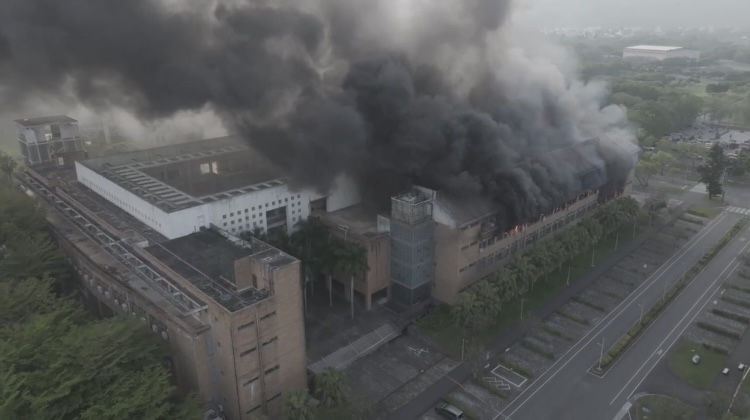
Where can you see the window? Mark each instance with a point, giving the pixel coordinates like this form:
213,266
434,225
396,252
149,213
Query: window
273,203
245,210
255,278
245,326
274,397
248,352
273,369
266,204
270,341
225,224
224,216
252,410
268,315
253,208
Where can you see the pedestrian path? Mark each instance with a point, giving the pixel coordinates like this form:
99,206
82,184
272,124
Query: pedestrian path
738,210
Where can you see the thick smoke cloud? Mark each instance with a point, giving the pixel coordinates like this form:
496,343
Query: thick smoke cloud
393,92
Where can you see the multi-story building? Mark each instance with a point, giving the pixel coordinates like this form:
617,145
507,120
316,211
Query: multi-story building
178,189
357,225
49,140
152,235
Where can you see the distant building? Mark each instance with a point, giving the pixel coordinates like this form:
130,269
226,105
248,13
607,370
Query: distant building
50,140
655,52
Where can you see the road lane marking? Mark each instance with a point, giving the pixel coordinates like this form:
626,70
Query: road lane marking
616,312
679,323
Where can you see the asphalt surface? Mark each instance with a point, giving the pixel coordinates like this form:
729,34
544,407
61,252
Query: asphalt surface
568,391
430,396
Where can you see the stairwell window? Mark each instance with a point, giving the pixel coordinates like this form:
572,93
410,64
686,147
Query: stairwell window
272,370
268,315
270,341
248,352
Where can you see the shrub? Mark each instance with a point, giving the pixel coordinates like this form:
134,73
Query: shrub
490,388
718,330
731,315
537,349
590,304
736,301
572,317
713,347
514,367
556,332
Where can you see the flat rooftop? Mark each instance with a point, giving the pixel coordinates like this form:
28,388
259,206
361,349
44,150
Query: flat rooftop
663,48
206,259
189,174
357,219
54,119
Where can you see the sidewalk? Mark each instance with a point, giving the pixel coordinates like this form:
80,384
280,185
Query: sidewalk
422,402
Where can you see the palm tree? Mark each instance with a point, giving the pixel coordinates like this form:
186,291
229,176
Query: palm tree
7,165
329,388
352,259
298,407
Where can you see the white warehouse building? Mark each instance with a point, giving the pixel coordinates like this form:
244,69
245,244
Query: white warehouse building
656,52
178,189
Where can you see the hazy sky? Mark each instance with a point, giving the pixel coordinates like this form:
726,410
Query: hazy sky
608,13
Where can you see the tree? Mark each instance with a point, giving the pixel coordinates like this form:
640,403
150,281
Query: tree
352,259
713,170
59,366
329,388
467,309
7,165
662,160
487,294
523,272
298,406
20,211
644,170
31,255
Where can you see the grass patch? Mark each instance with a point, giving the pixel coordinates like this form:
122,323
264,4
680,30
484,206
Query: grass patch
736,301
661,407
673,190
556,332
490,388
613,295
537,349
514,367
468,412
718,330
573,317
731,315
738,287
703,211
441,327
701,375
635,330
590,304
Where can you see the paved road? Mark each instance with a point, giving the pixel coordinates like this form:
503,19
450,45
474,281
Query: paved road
568,391
429,397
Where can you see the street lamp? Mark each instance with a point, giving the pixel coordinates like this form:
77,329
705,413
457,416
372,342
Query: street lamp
463,343
617,240
522,301
567,281
593,252
601,355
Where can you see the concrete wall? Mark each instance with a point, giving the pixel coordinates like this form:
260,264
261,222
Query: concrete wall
377,278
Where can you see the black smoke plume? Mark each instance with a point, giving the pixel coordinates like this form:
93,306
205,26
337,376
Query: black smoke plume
392,92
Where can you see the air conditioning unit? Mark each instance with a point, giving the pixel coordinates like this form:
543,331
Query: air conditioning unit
124,306
100,289
155,327
164,335
107,294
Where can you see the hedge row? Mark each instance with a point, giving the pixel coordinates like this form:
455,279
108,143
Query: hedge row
514,367
716,348
718,330
731,315
624,342
537,349
736,301
572,317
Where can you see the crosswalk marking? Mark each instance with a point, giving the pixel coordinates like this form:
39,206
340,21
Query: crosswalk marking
738,210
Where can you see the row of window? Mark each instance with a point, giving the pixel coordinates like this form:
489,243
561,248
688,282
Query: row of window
527,241
120,202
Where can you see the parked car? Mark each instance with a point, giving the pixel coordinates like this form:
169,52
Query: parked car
449,411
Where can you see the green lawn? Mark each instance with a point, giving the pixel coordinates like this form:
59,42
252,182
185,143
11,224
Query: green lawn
441,327
673,190
662,408
701,375
703,211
